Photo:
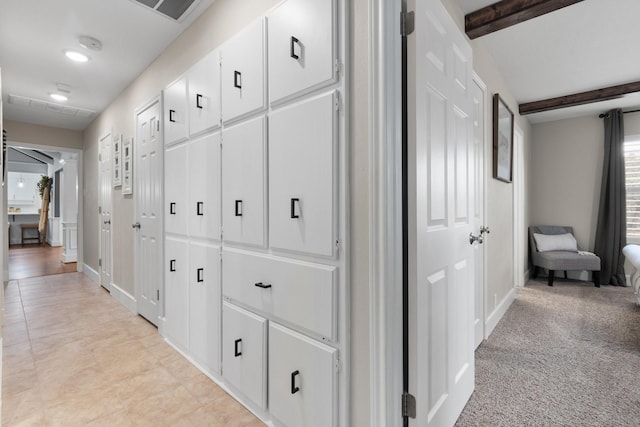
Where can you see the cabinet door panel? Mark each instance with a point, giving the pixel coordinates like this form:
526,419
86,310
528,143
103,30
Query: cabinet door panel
244,355
243,73
204,305
302,177
204,187
302,379
243,178
302,46
204,94
175,112
175,185
176,300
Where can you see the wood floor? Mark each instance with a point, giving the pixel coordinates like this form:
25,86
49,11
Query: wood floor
36,260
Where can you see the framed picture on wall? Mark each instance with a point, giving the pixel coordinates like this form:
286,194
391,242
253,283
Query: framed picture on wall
502,140
127,166
117,161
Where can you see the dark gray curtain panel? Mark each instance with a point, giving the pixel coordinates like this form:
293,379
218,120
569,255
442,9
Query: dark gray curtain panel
611,231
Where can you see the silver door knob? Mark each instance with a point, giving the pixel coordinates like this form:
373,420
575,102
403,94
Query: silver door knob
107,221
484,230
136,225
473,238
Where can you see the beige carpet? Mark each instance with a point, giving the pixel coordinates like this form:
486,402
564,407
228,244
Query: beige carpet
564,355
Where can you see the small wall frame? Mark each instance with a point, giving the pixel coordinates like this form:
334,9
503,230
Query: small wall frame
117,161
127,167
502,140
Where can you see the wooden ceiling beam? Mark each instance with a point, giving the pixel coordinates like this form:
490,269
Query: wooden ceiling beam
506,13
597,95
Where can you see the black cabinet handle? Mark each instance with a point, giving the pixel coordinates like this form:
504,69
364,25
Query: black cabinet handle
237,353
294,202
294,41
198,99
172,265
237,79
199,206
238,207
294,388
262,285
171,113
199,274
172,208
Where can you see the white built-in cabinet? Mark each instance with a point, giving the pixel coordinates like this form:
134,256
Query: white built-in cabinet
255,177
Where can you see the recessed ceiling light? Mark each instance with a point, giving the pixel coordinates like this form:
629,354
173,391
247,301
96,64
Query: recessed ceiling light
76,56
58,97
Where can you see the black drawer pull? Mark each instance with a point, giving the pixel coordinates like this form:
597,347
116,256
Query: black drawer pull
171,113
294,202
172,265
199,274
238,207
262,285
294,41
237,353
198,99
294,388
199,206
237,79
172,208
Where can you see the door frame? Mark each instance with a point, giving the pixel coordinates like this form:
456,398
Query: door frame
136,255
106,134
519,233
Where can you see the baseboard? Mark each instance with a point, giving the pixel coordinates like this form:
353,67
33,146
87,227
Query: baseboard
498,313
91,273
124,298
526,277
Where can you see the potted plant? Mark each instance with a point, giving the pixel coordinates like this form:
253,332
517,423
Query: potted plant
44,182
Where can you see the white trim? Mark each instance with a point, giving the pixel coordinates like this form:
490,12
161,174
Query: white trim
89,272
124,298
519,233
107,134
385,249
498,313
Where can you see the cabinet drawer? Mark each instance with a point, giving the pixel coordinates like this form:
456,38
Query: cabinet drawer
204,187
302,47
175,185
301,293
243,73
302,379
175,112
176,299
302,177
244,355
243,177
204,94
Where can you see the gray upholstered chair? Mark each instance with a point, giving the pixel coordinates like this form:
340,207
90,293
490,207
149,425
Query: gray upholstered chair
561,260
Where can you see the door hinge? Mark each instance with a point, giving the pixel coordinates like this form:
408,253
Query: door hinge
158,125
337,101
157,294
408,405
338,67
99,209
407,23
99,262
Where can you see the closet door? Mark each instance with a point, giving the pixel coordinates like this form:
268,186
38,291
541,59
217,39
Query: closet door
243,73
175,112
244,343
243,180
175,185
302,379
302,177
176,326
204,187
204,304
302,50
204,94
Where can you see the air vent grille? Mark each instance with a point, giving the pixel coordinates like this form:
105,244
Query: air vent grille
173,9
37,104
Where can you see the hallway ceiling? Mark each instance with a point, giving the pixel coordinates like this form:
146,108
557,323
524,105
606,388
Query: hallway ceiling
586,46
34,34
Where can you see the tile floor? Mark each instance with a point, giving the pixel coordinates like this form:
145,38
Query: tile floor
73,356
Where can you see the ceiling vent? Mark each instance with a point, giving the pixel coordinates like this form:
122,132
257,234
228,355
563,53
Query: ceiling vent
37,104
174,9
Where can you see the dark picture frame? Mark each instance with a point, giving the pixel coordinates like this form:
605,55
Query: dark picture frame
502,140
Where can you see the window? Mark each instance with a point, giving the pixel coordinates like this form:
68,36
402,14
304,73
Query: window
632,177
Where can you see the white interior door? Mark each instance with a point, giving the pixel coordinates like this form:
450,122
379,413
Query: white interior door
441,217
148,178
104,210
479,121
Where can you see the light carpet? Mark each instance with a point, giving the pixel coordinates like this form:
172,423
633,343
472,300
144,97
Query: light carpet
564,355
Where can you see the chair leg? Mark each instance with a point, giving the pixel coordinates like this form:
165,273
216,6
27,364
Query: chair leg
596,278
550,279
535,272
